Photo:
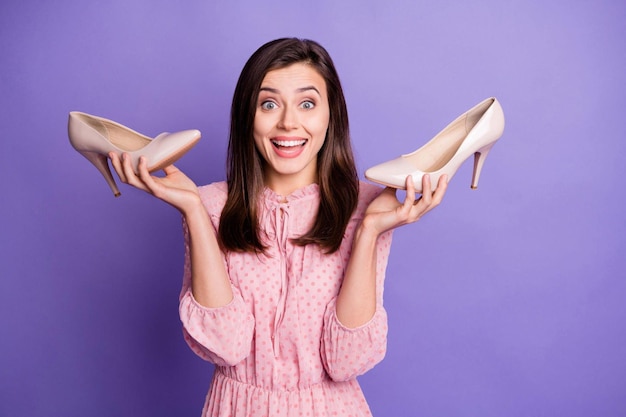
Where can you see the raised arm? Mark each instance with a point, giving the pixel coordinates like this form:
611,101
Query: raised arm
355,324
209,281
356,302
217,324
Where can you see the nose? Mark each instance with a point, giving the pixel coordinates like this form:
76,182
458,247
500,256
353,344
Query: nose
288,119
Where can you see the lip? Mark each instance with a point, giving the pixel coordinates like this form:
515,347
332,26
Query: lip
288,146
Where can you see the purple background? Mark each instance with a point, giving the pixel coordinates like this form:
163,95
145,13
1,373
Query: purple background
506,301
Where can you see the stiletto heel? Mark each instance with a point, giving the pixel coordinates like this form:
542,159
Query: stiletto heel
473,133
95,137
101,163
480,157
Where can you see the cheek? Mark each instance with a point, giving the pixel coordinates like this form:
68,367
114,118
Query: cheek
260,144
320,134
260,131
263,121
320,124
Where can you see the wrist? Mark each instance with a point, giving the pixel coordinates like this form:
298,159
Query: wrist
367,230
193,207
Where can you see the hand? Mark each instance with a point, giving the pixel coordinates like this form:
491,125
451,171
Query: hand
386,212
175,188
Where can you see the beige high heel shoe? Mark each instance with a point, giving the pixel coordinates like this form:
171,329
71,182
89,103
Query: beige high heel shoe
95,137
473,133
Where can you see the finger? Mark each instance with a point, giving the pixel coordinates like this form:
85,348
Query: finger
427,193
152,184
409,199
424,203
142,169
442,186
145,175
170,169
117,165
131,177
434,199
148,182
127,167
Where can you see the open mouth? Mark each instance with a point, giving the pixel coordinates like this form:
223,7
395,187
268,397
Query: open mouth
286,144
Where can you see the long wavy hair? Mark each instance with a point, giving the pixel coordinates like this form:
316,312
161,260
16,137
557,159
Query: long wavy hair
337,177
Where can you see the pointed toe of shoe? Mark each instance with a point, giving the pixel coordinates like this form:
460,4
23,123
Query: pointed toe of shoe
167,148
392,173
190,136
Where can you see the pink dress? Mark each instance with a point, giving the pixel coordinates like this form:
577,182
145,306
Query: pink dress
278,347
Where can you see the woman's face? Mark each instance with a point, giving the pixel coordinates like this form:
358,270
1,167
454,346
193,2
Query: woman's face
290,124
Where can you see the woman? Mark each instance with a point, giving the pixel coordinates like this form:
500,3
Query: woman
285,261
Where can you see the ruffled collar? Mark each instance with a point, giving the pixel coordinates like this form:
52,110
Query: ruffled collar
304,193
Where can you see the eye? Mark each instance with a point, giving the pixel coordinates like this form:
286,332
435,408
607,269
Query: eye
268,105
307,105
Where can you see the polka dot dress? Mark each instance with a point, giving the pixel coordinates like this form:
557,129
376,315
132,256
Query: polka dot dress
278,347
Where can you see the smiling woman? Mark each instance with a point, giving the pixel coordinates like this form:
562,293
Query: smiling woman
290,126
285,261
337,180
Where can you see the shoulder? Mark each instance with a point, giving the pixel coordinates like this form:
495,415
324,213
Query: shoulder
213,197
367,193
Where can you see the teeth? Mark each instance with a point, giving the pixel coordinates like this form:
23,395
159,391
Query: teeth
289,143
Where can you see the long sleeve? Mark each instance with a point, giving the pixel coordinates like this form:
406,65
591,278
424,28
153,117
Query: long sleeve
349,352
221,335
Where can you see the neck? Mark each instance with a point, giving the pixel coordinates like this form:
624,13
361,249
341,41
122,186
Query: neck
287,184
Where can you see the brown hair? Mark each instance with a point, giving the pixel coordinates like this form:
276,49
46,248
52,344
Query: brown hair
337,176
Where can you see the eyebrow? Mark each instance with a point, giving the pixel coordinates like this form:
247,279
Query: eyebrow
299,90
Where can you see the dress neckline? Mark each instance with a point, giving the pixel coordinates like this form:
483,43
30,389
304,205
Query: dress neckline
311,190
